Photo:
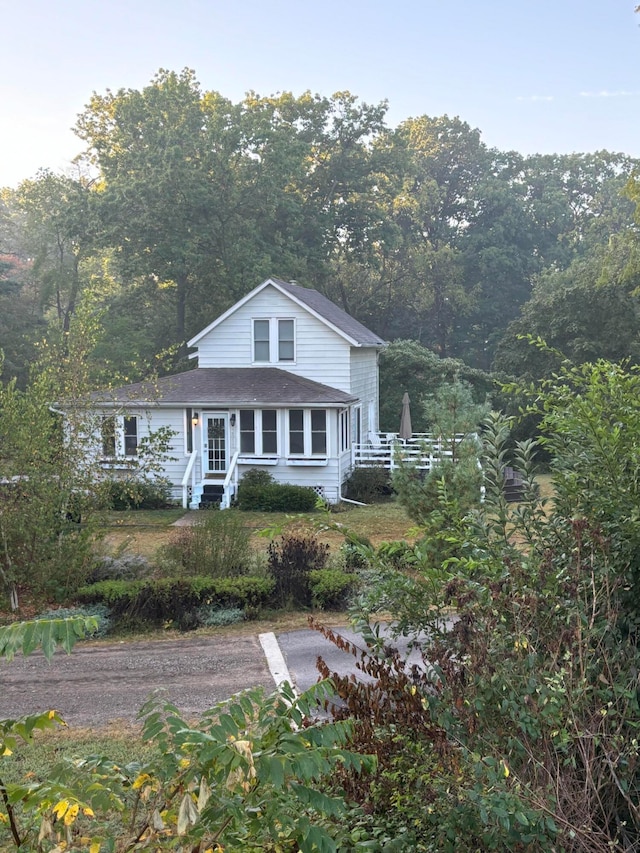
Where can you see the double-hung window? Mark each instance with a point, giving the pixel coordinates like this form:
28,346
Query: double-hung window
274,341
108,436
261,342
286,343
345,431
119,436
307,432
258,432
130,435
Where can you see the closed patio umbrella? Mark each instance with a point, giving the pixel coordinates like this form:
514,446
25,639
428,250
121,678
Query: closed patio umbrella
405,419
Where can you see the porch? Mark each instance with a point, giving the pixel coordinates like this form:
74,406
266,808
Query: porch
381,450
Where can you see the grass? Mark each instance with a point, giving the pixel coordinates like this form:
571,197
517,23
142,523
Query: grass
34,760
144,531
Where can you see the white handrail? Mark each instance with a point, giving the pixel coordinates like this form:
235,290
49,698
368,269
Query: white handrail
232,471
189,473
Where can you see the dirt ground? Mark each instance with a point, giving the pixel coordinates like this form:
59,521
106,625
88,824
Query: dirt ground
101,683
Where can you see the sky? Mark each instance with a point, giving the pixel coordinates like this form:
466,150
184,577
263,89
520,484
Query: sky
551,76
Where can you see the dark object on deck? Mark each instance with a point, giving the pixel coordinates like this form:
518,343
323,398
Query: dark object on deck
211,495
513,485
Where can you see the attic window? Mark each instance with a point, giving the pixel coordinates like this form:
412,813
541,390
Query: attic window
261,348
274,340
286,348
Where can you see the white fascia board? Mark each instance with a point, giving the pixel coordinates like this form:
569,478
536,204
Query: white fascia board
315,314
226,314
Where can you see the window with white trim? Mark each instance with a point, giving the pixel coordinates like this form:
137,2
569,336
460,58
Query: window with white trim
119,436
130,435
307,432
274,340
261,344
345,430
247,431
318,432
286,342
108,436
356,425
258,432
269,431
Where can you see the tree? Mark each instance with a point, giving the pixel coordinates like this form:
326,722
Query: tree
586,312
438,498
408,366
60,232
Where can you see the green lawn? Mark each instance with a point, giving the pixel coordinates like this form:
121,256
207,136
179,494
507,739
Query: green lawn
144,531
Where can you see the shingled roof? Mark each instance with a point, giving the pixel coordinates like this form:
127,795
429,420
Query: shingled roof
226,386
330,312
317,304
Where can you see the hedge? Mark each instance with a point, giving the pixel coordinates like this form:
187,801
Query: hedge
276,497
174,599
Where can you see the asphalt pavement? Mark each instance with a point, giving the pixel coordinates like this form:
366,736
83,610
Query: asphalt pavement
105,682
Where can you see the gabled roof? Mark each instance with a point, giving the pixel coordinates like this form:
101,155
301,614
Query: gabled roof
313,302
212,387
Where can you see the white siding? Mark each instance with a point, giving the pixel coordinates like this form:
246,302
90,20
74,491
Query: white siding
364,385
150,420
321,354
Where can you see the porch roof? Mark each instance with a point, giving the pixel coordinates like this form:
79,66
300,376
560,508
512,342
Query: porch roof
226,386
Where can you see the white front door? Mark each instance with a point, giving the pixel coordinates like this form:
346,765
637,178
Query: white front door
216,442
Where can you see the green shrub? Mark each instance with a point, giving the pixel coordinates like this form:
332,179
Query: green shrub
275,497
290,561
136,493
216,546
100,611
368,485
257,477
175,600
399,554
124,567
213,616
354,552
330,588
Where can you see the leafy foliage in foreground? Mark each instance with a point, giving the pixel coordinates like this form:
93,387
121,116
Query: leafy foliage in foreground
519,728
26,637
247,776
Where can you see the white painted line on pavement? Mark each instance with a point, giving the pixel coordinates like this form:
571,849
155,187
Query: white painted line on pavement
275,659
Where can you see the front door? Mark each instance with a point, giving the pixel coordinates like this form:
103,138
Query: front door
216,442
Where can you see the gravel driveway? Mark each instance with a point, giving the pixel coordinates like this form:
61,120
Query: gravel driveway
100,683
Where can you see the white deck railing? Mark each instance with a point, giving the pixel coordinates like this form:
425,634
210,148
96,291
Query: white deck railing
386,450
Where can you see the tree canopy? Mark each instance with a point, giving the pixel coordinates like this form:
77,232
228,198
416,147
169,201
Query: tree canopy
183,201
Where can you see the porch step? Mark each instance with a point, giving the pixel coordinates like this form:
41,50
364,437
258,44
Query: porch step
211,495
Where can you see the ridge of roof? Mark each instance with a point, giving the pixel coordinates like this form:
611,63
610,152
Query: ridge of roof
328,310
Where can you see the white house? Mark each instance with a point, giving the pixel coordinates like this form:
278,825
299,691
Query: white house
285,380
